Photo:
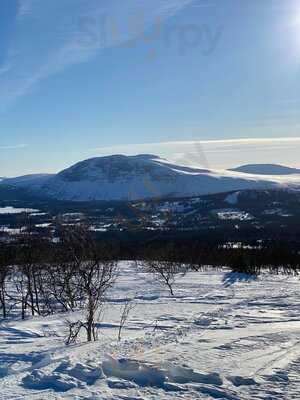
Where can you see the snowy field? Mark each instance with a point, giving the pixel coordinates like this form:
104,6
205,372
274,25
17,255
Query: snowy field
222,336
13,210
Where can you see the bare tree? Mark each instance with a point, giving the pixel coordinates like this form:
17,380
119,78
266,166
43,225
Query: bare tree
129,305
94,272
96,277
4,273
163,271
28,258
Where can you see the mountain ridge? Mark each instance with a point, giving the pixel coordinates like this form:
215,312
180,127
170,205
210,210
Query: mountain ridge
266,169
144,176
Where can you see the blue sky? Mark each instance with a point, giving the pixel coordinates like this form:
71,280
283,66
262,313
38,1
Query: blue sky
81,78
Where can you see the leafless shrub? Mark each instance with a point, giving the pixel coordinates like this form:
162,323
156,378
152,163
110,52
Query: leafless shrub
129,305
73,331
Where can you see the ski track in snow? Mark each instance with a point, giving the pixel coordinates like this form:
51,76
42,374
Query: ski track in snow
222,336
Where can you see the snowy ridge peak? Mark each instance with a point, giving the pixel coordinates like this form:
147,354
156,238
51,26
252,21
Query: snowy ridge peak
114,168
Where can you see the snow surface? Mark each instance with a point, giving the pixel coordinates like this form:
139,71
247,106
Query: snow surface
12,231
222,336
121,177
232,198
238,215
13,210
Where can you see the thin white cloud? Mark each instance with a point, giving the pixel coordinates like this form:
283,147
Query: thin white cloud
13,147
227,142
219,153
51,35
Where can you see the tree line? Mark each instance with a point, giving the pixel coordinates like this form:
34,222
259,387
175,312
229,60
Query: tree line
39,276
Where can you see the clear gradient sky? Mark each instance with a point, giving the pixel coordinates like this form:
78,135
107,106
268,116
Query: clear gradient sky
81,78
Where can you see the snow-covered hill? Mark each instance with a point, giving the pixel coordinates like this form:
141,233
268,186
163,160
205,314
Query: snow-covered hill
120,177
266,169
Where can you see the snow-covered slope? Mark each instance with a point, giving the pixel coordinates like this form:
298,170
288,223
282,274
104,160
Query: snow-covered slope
222,336
34,180
144,176
266,169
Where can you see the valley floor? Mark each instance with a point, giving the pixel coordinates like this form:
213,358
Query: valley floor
222,336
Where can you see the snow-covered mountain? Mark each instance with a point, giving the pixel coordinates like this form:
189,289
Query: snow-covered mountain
120,177
266,169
